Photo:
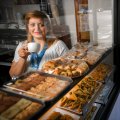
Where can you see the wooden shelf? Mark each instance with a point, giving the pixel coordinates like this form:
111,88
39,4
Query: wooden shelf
82,24
28,4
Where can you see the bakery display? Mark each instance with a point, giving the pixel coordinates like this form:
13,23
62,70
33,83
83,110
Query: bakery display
56,113
100,49
85,46
90,115
27,81
74,54
59,116
49,89
101,72
91,57
80,95
40,85
17,108
66,67
28,111
6,101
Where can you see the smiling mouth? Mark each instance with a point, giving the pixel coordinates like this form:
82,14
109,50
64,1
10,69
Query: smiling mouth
37,32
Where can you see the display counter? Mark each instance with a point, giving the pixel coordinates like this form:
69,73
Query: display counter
98,93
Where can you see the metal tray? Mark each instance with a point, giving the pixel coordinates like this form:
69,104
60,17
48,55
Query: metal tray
60,111
108,76
40,91
104,94
87,105
92,112
12,105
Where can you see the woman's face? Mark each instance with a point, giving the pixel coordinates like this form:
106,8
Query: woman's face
36,28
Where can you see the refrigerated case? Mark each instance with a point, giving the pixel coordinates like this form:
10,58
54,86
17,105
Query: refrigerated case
103,29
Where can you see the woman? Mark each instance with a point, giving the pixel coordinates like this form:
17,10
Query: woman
49,49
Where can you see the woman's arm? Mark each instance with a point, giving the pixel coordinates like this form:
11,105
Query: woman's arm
19,66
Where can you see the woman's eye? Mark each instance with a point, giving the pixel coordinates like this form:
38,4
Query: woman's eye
36,24
41,25
32,25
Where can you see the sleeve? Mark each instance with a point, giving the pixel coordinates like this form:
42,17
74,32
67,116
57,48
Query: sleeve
16,55
61,48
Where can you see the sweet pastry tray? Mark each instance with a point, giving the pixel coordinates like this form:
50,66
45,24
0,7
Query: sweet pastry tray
82,46
39,85
91,57
79,99
75,54
102,72
18,108
66,67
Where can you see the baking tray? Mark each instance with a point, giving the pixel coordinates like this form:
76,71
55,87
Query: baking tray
109,75
105,78
49,86
86,105
60,112
72,68
14,107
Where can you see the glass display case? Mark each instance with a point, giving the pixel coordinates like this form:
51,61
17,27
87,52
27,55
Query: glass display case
87,28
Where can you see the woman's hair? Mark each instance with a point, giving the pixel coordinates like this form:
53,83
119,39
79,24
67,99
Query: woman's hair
37,14
32,14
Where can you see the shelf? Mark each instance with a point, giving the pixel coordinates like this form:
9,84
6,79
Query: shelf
85,12
20,2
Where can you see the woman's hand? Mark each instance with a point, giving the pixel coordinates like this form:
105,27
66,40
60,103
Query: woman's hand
23,52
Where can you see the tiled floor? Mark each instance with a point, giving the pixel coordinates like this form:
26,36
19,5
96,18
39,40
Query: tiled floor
115,114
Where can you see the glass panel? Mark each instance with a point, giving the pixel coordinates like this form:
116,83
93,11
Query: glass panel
101,21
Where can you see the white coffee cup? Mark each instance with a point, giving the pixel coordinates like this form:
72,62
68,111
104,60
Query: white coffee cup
33,47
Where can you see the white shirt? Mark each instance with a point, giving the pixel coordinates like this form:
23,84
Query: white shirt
56,50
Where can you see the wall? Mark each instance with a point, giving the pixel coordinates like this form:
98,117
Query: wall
6,11
25,8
